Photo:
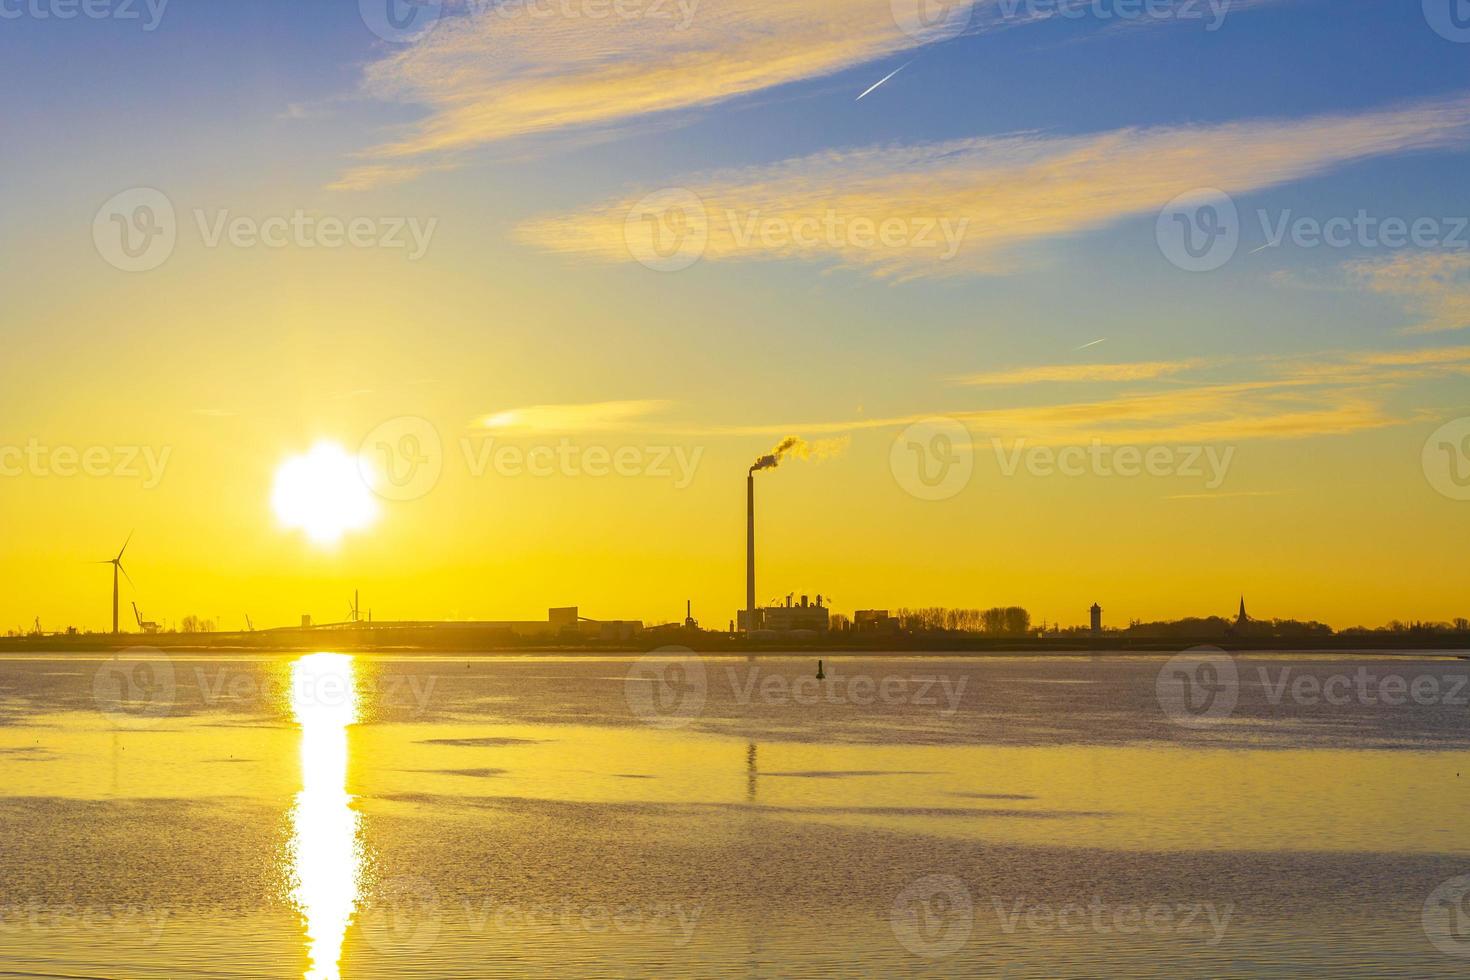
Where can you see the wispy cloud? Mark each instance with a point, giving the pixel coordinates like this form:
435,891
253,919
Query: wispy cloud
971,206
513,70
1208,413
1134,371
373,175
1328,393
581,417
492,71
1435,286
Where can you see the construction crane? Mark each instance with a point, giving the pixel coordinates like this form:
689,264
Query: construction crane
249,626
145,627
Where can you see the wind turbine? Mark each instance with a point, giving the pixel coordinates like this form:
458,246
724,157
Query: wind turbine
116,564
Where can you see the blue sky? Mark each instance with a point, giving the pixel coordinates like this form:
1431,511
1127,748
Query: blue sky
1058,140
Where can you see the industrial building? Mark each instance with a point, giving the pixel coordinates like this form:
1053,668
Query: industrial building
792,616
562,623
803,615
875,621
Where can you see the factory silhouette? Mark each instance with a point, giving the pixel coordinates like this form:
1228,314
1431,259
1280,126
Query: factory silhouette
794,621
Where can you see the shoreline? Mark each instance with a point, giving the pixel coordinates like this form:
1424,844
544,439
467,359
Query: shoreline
468,644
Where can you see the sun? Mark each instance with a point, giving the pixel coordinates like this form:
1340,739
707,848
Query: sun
322,494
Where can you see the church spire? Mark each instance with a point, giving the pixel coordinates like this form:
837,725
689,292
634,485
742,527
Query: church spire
1242,618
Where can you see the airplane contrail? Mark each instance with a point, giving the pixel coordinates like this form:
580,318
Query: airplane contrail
1265,246
1093,344
880,81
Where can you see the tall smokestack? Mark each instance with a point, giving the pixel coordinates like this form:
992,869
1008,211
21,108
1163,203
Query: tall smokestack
750,548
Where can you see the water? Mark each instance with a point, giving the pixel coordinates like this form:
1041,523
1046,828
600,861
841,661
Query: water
325,815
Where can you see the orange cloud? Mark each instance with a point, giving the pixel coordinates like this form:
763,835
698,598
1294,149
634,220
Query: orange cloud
1434,285
1136,371
581,417
503,69
970,207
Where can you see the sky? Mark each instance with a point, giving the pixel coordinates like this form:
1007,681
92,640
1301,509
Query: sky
1145,304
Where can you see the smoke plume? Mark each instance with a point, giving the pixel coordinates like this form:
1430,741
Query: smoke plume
798,448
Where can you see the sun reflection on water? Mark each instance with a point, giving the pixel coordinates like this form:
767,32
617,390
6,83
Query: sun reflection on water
325,841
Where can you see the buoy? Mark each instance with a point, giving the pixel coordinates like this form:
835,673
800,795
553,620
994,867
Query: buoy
821,674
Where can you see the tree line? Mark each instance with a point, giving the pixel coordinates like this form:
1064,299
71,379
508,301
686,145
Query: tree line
996,621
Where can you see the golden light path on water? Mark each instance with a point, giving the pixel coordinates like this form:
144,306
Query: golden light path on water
326,852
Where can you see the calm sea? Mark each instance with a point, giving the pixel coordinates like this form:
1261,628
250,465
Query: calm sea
323,815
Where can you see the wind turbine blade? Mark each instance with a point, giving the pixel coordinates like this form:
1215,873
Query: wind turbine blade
126,543
125,574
